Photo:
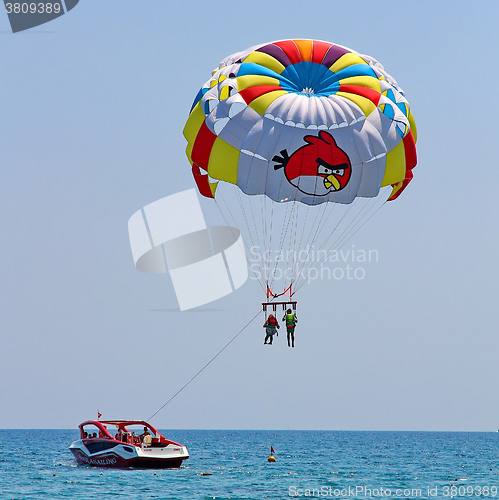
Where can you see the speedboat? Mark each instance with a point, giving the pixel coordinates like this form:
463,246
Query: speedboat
97,446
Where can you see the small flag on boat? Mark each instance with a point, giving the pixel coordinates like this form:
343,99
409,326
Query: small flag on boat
99,415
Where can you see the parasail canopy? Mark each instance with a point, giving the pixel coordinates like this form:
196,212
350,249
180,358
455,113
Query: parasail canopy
302,120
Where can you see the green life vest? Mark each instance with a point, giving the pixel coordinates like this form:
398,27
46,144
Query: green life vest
290,319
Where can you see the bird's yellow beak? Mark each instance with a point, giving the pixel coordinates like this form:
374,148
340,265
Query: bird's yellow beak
331,182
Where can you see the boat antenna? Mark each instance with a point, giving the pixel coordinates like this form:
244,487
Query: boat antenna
207,364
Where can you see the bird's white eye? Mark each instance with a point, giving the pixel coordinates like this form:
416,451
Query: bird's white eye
340,171
322,170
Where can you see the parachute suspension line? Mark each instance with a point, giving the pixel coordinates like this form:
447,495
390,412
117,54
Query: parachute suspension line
249,229
353,227
335,244
230,212
294,248
268,252
263,208
267,276
258,233
245,217
235,224
318,226
265,248
333,232
284,231
307,210
315,228
246,204
332,235
350,230
292,227
341,240
361,223
207,364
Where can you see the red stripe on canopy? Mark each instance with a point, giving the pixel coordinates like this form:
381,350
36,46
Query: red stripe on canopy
202,146
251,93
319,50
202,182
368,93
291,50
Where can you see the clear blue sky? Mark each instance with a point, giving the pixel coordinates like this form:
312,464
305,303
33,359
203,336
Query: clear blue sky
93,106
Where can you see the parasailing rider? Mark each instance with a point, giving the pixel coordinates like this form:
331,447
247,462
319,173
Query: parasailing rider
270,326
291,321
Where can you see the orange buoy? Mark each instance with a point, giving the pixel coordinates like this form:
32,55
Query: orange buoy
271,458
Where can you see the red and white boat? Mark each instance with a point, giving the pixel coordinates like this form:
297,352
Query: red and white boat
123,446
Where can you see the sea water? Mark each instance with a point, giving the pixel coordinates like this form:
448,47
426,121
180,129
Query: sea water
233,464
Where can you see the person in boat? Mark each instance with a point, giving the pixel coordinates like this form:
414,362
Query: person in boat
119,434
291,321
146,437
102,434
271,326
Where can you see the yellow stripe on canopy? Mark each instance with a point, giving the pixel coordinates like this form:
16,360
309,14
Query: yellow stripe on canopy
188,151
412,124
193,124
395,165
260,104
265,60
243,82
224,93
346,60
222,164
362,81
366,105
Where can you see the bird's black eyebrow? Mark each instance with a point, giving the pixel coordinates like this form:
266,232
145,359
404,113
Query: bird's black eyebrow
324,163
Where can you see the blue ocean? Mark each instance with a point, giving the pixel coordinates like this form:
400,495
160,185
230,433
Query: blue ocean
233,465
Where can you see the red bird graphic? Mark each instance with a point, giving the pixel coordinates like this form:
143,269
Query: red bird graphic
317,168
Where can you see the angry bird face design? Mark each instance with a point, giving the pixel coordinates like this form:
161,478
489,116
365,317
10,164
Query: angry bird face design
318,168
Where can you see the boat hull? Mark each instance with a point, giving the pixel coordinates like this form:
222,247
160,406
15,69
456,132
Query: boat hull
126,456
113,460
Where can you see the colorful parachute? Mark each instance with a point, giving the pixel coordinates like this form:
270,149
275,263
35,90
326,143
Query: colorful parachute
269,114
302,121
